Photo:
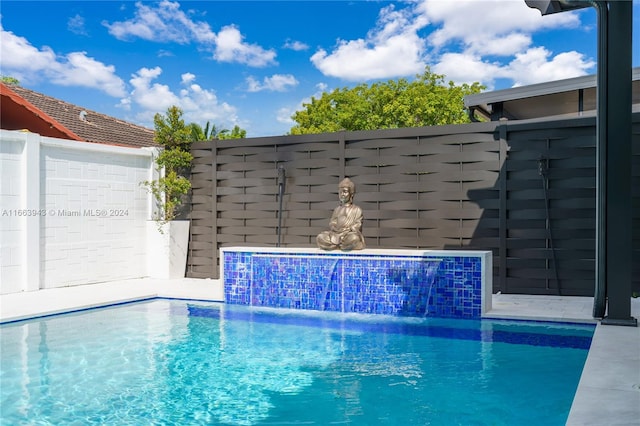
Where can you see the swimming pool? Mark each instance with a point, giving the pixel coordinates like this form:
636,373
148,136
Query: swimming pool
177,362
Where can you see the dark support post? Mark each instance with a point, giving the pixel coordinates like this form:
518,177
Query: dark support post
615,183
600,290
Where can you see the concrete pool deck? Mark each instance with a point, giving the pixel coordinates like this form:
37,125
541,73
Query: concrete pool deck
608,392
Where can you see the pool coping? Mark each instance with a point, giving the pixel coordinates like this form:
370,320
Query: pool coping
609,388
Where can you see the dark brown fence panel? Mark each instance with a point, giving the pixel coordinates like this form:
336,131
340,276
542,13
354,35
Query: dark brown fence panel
414,191
524,190
550,193
202,259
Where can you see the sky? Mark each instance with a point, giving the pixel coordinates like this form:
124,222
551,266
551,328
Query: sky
254,63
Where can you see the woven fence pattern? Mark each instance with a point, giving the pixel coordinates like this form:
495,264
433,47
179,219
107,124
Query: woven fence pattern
525,191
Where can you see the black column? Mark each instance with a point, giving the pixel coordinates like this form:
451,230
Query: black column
614,160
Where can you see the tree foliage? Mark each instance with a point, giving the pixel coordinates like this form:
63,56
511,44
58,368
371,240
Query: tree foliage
175,160
210,132
10,80
425,101
171,130
235,133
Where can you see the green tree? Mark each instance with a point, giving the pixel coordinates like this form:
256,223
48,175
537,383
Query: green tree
171,130
425,101
210,132
236,133
174,136
10,80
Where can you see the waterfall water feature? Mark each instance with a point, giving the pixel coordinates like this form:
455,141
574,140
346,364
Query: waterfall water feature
324,295
405,283
429,293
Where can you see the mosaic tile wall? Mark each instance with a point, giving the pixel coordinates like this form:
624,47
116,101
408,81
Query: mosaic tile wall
342,282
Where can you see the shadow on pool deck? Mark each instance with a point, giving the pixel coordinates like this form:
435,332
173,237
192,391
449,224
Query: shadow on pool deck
608,392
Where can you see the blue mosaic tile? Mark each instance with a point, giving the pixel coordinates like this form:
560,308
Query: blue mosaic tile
411,286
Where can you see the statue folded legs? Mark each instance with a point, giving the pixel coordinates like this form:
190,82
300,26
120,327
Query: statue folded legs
346,222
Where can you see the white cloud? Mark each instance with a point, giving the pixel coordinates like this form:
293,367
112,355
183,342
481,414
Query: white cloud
199,105
163,53
392,49
81,70
535,66
20,55
125,104
146,25
466,47
463,40
284,114
187,78
148,95
355,60
480,24
75,24
503,46
295,45
468,68
166,23
22,60
275,83
230,47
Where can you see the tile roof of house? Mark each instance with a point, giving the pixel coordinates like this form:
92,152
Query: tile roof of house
89,125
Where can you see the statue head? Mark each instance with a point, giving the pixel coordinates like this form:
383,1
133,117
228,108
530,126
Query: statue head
347,183
346,189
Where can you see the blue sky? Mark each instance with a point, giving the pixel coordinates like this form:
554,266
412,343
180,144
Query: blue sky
253,63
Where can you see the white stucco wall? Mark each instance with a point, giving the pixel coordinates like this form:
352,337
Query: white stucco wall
12,227
71,213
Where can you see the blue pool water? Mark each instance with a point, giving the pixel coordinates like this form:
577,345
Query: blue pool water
166,362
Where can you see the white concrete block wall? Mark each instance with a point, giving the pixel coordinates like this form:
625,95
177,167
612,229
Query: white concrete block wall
90,224
12,226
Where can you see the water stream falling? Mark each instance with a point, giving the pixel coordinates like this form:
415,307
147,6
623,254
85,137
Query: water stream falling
323,297
432,278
